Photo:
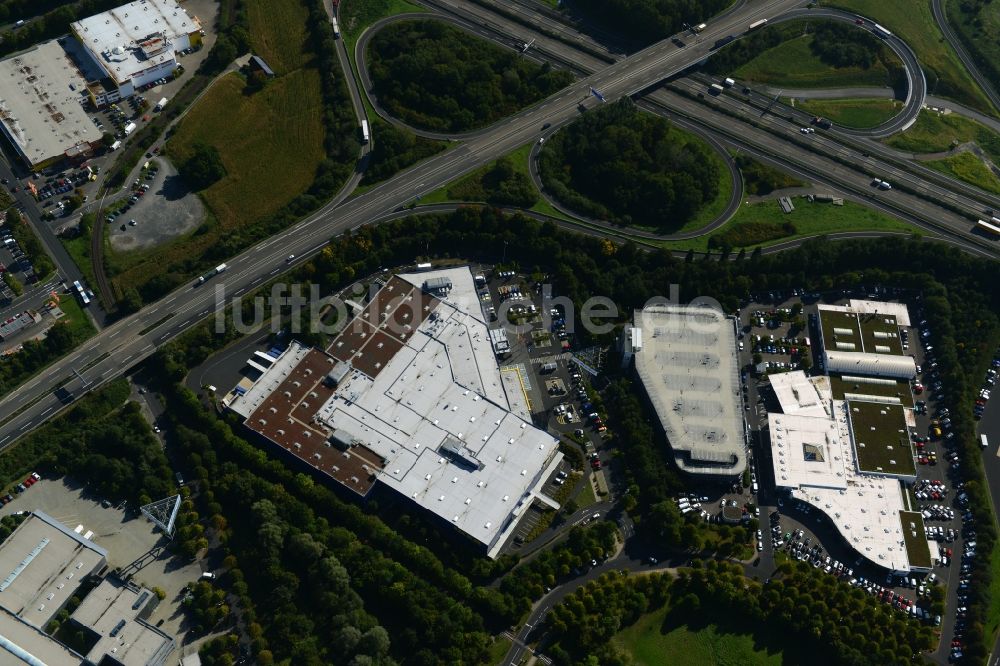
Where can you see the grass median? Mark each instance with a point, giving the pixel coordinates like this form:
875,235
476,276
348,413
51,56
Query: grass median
858,113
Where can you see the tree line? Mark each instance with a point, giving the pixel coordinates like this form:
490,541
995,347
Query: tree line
647,21
956,290
104,441
437,77
630,167
801,612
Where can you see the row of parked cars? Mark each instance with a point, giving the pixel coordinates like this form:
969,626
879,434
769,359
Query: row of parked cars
29,481
984,392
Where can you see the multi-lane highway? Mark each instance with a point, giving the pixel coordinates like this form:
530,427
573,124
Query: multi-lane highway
844,162
127,342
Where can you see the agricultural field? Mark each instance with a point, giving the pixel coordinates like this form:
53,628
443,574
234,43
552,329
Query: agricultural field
859,112
914,23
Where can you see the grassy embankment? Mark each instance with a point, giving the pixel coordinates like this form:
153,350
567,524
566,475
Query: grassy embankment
914,23
792,64
859,113
938,132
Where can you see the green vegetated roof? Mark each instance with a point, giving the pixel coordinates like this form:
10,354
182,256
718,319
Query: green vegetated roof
867,331
883,387
915,539
881,438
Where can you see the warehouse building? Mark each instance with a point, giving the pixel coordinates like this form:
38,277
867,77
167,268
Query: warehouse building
40,106
44,563
825,458
685,357
862,338
134,45
113,615
409,395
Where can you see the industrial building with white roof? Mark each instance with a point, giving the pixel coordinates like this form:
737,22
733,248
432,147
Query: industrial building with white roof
685,356
40,110
409,394
43,563
814,457
863,338
135,44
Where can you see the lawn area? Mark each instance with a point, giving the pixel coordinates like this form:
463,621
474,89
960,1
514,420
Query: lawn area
587,495
792,64
968,167
938,132
860,113
79,324
993,612
79,249
498,650
809,219
648,644
914,23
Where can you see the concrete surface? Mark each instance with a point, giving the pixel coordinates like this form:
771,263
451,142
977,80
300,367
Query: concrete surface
168,210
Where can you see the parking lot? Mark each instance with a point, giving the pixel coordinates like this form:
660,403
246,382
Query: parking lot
158,207
777,329
13,259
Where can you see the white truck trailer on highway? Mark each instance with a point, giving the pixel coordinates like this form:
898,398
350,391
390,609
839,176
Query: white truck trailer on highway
221,268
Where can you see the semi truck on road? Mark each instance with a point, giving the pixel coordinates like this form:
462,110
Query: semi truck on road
221,268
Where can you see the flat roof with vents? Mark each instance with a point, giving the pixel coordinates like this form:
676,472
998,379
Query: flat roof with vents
423,409
132,38
116,612
814,458
41,565
40,109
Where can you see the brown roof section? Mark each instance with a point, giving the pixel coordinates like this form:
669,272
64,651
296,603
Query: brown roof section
372,338
286,418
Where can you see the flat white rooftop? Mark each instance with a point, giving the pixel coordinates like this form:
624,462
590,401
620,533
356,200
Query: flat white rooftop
423,401
41,565
799,394
688,365
897,310
120,38
813,457
40,103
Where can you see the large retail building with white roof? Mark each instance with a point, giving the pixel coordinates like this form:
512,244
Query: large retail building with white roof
816,452
409,395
